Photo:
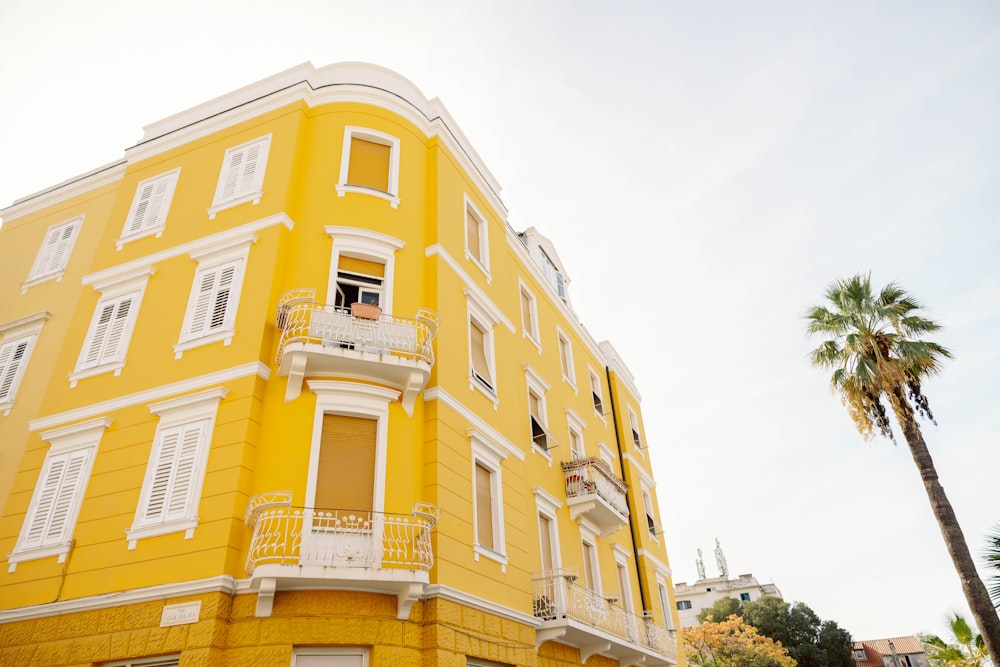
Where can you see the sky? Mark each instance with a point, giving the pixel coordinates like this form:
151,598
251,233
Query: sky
705,170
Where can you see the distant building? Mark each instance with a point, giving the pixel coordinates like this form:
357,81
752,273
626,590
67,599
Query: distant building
702,594
892,652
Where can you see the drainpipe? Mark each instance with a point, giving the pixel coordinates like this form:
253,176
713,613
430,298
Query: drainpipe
628,501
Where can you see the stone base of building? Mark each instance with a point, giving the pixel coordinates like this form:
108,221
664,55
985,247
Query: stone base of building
216,629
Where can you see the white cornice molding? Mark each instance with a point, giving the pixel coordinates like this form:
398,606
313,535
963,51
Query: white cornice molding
223,239
471,288
151,395
27,324
662,569
60,192
461,597
497,438
220,584
622,372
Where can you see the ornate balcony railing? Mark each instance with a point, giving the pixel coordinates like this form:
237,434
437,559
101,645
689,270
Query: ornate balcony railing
285,535
590,478
558,599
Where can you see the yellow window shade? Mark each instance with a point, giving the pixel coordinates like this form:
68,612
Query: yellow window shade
369,166
545,535
345,478
363,266
526,312
472,231
478,343
484,506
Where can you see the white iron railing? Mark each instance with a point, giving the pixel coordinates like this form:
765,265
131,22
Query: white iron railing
301,320
558,597
285,535
592,475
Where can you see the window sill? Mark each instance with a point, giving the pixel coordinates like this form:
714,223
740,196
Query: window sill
230,203
152,231
5,407
487,391
533,338
38,553
344,188
141,532
479,550
38,280
482,267
183,346
115,367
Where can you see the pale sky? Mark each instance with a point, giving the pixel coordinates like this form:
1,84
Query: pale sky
705,169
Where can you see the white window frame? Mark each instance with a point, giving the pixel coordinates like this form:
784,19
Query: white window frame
490,456
114,290
234,253
195,410
534,384
79,441
637,442
597,388
352,399
367,245
356,652
590,539
548,506
145,193
623,576
480,315
54,253
529,329
565,348
683,605
483,261
374,136
664,593
12,334
576,426
255,191
649,509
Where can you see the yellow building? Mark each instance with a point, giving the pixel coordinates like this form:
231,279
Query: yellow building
284,387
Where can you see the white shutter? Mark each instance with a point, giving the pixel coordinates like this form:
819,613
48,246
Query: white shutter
61,484
151,201
232,175
248,179
173,471
11,359
242,171
211,301
55,249
107,337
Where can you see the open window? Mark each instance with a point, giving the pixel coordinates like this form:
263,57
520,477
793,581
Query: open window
597,394
359,281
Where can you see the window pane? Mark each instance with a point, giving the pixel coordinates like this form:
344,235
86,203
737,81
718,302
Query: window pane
484,506
369,166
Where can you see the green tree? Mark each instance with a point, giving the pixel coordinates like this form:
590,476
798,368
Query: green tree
876,351
732,643
812,642
722,609
967,650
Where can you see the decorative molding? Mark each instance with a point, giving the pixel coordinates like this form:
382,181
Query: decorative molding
472,290
154,394
29,324
61,192
494,436
220,584
661,568
460,597
194,248
75,435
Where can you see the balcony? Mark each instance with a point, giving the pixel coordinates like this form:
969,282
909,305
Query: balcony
595,494
323,340
296,547
572,614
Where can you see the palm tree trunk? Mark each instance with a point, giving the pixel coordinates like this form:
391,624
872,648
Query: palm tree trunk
975,591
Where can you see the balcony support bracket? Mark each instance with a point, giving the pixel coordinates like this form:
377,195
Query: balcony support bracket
405,599
634,659
593,649
543,635
296,372
265,596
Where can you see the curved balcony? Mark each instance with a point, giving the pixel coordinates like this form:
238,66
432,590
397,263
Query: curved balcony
596,625
322,339
594,493
345,549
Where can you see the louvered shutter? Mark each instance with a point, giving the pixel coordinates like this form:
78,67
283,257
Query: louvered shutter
61,484
232,175
345,476
171,483
55,249
248,177
484,506
149,208
211,303
59,254
106,341
11,358
242,172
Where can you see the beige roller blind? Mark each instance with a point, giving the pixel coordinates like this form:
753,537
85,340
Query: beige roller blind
484,506
345,478
533,407
362,266
369,166
588,566
477,340
526,313
472,230
545,541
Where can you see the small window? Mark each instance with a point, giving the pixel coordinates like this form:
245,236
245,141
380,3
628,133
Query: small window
591,573
566,359
487,505
359,281
55,251
553,275
476,239
369,164
480,350
14,356
651,524
624,590
859,654
745,597
212,305
576,444
536,417
668,621
683,604
330,657
529,315
597,394
148,213
634,422
109,334
242,176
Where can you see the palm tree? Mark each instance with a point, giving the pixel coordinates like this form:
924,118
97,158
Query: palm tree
876,352
968,649
992,555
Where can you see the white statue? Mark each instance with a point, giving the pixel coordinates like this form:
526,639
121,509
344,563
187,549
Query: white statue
720,560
